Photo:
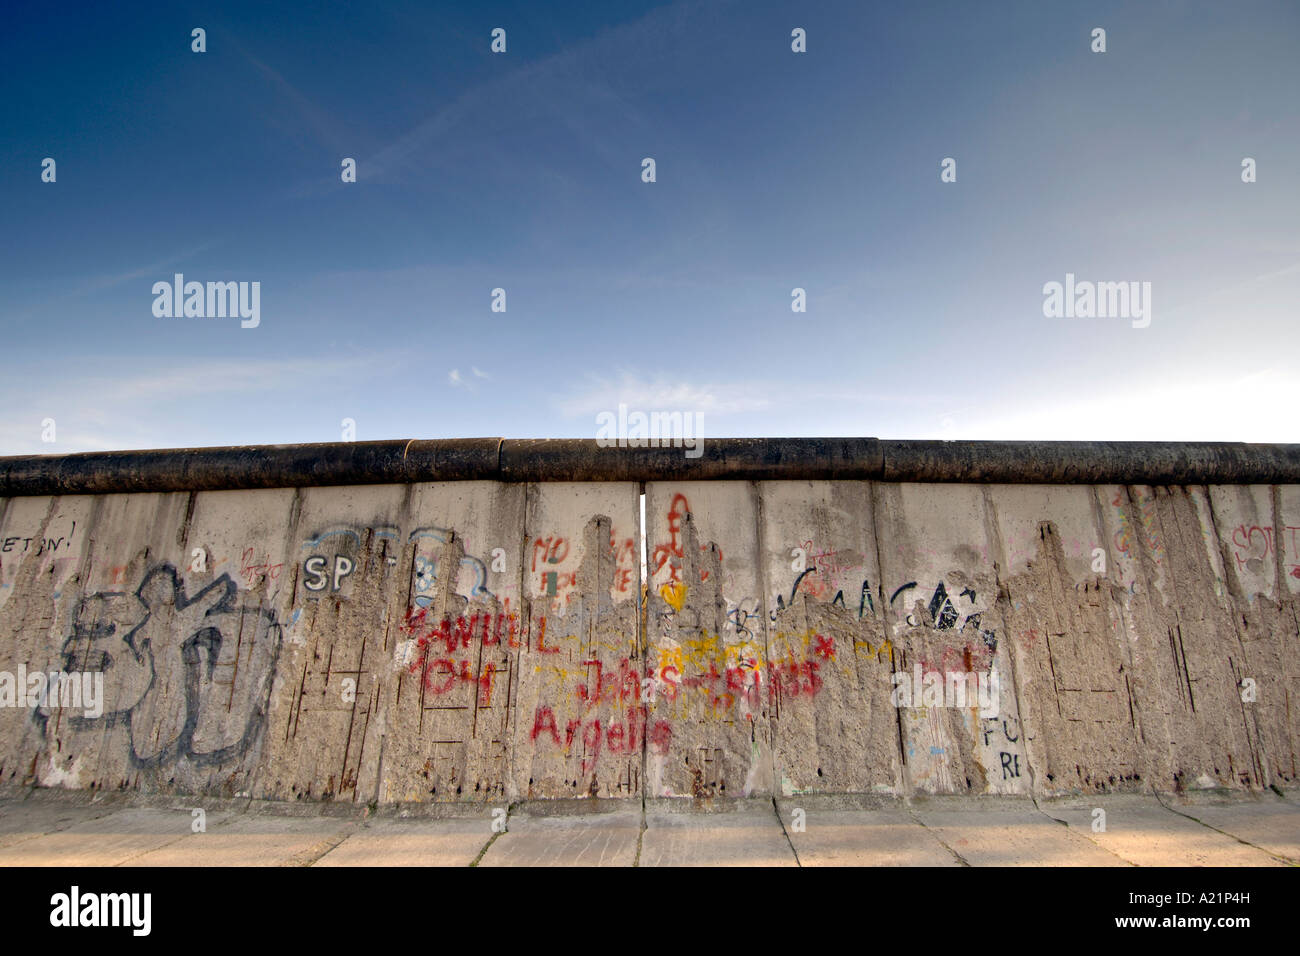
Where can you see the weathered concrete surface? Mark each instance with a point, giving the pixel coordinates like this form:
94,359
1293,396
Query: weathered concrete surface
112,840
986,833
479,643
22,818
833,830
584,839
746,834
711,697
835,833
830,658
410,843
1272,825
263,839
1142,831
579,723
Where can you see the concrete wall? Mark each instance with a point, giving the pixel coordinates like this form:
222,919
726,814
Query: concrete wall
481,641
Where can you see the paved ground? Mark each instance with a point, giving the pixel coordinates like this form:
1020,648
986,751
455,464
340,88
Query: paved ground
57,828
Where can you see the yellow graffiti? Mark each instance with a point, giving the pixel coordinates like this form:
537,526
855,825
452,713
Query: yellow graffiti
866,647
675,594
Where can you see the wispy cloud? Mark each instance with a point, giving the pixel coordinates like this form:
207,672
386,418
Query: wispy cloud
136,406
721,398
574,77
95,284
456,380
666,395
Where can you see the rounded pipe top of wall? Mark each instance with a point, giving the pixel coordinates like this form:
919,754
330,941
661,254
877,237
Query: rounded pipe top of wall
713,459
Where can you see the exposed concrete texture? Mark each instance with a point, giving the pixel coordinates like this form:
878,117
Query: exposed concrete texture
111,840
1271,824
254,840
480,643
746,835
579,724
996,834
1145,833
411,843
829,657
403,646
808,830
588,839
886,834
710,733
24,819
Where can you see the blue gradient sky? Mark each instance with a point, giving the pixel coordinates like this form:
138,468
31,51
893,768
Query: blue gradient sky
522,171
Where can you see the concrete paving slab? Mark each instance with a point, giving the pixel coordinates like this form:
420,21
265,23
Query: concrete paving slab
994,836
1274,827
109,840
746,837
592,839
47,829
1151,833
411,843
867,838
22,819
254,840
1145,833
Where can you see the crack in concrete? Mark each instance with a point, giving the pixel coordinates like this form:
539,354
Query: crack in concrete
1281,859
785,833
961,860
493,839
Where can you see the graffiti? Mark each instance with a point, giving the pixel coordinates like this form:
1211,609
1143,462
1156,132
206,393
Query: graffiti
670,555
553,550
740,616
1124,537
626,572
623,686
728,677
1259,542
944,614
318,576
250,572
471,575
621,737
9,545
864,600
188,676
351,534
941,612
549,553
437,644
1006,743
329,569
825,568
993,724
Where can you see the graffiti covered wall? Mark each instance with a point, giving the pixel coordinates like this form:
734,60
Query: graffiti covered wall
480,641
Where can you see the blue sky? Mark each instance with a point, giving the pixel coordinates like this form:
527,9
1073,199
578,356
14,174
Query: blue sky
522,171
